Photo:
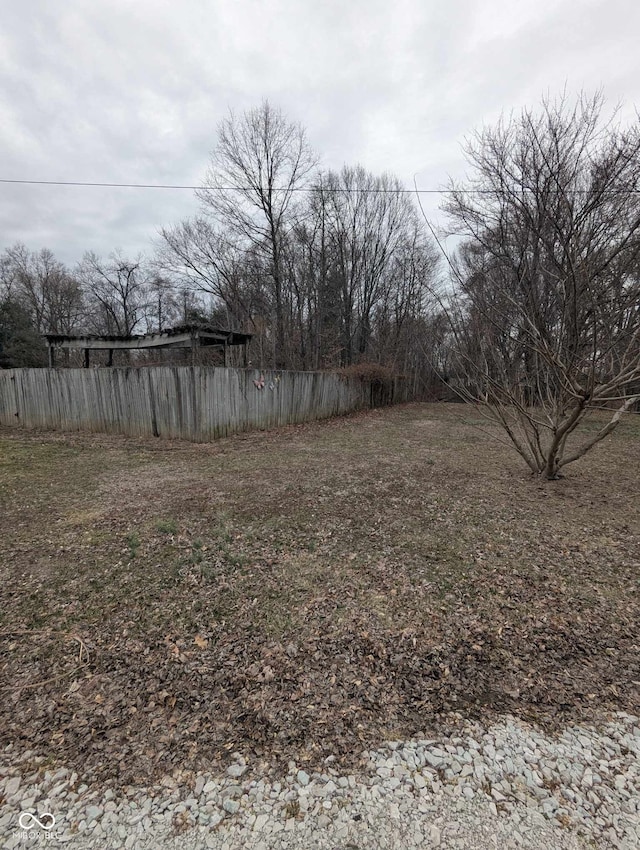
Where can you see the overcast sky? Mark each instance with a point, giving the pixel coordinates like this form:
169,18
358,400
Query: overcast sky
133,90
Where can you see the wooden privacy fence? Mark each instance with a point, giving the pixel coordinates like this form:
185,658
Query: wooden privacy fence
191,403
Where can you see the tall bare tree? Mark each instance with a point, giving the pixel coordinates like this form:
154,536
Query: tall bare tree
546,318
368,221
264,159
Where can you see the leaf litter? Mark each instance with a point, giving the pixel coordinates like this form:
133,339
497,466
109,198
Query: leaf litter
306,592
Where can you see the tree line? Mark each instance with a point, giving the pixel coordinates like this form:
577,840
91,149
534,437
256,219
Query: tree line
535,317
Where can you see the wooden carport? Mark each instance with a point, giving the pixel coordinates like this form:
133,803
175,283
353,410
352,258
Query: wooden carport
183,336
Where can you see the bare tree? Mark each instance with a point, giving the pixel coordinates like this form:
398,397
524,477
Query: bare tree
264,158
204,257
45,287
368,221
163,303
117,291
545,318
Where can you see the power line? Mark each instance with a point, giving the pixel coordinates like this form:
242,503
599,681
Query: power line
327,189
100,185
396,191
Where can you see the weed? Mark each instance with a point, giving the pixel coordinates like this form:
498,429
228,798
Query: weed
233,559
133,542
221,531
292,809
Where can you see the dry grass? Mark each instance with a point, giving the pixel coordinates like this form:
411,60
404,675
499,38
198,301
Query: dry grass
306,591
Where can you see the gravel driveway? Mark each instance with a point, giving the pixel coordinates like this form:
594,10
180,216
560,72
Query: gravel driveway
503,786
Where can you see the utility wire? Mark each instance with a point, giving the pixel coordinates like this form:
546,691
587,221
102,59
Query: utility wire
219,188
328,189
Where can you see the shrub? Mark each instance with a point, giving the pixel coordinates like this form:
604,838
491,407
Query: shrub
372,373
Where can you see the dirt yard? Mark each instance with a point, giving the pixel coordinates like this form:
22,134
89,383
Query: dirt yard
307,591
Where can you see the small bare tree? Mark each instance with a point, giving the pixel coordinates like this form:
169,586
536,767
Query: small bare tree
545,317
163,303
117,291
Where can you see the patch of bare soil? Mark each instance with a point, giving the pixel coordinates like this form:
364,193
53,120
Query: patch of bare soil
307,591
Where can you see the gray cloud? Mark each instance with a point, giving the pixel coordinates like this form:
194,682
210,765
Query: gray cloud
132,92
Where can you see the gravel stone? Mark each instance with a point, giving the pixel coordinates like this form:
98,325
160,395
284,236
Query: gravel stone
303,777
231,806
236,770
